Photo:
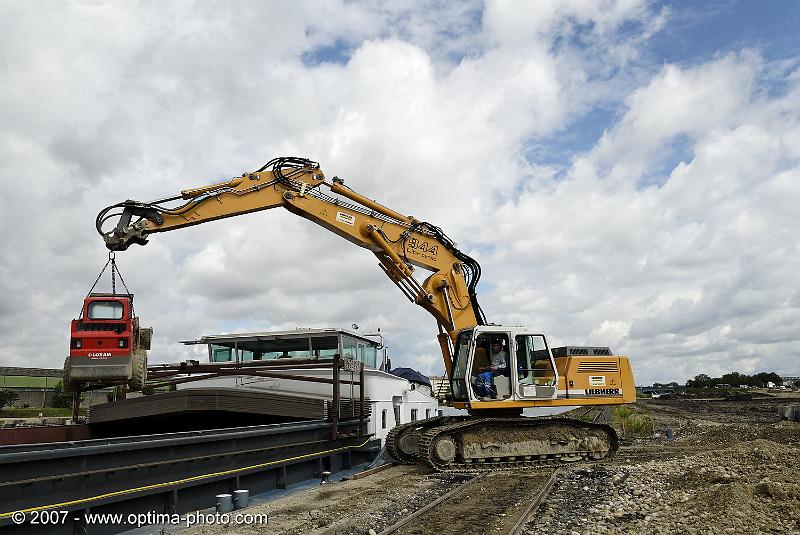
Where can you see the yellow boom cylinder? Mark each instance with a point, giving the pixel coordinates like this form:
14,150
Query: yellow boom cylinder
380,242
344,191
192,193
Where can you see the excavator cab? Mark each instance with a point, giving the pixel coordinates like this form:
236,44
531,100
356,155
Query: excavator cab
496,364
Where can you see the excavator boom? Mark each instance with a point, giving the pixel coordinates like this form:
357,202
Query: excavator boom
493,369
401,243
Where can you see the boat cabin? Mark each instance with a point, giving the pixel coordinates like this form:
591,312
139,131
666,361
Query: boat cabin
321,344
394,399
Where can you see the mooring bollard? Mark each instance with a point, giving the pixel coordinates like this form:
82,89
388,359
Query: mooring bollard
326,478
224,503
241,498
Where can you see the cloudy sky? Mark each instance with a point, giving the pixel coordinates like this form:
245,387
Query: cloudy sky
627,172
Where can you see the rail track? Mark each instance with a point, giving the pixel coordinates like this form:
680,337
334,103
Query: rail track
496,502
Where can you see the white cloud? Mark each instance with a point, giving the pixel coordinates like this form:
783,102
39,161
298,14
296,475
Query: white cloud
682,260
685,270
676,101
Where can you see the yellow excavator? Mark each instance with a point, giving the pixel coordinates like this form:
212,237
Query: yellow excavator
494,371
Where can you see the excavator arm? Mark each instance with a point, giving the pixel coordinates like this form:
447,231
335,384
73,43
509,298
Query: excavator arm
401,243
535,376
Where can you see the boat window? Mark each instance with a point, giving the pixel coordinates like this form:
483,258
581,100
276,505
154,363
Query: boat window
295,347
324,347
221,354
286,354
349,347
359,350
371,356
269,348
105,310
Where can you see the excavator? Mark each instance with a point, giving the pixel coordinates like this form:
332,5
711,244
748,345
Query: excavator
494,434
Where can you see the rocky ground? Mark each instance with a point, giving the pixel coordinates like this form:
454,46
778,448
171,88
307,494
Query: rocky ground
729,467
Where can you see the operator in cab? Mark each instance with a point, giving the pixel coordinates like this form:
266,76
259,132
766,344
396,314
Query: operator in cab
498,365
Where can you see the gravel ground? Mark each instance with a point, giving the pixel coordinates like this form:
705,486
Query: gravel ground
347,507
731,467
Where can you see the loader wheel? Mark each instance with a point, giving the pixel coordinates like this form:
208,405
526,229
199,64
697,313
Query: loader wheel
138,371
68,386
145,337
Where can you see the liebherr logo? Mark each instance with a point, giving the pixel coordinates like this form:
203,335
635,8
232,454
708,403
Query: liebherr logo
422,248
602,392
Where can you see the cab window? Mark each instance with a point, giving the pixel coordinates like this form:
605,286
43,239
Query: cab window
458,381
462,354
533,361
105,310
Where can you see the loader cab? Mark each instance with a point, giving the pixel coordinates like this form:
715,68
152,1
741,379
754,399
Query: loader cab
107,344
530,371
98,307
105,327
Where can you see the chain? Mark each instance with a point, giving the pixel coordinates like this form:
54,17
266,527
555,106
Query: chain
113,272
119,273
100,275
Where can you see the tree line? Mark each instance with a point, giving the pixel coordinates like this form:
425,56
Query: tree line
735,379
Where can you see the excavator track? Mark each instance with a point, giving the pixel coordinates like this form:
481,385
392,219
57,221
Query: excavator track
402,440
498,443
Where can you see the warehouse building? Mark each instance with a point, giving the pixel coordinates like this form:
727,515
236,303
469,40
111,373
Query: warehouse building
35,387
